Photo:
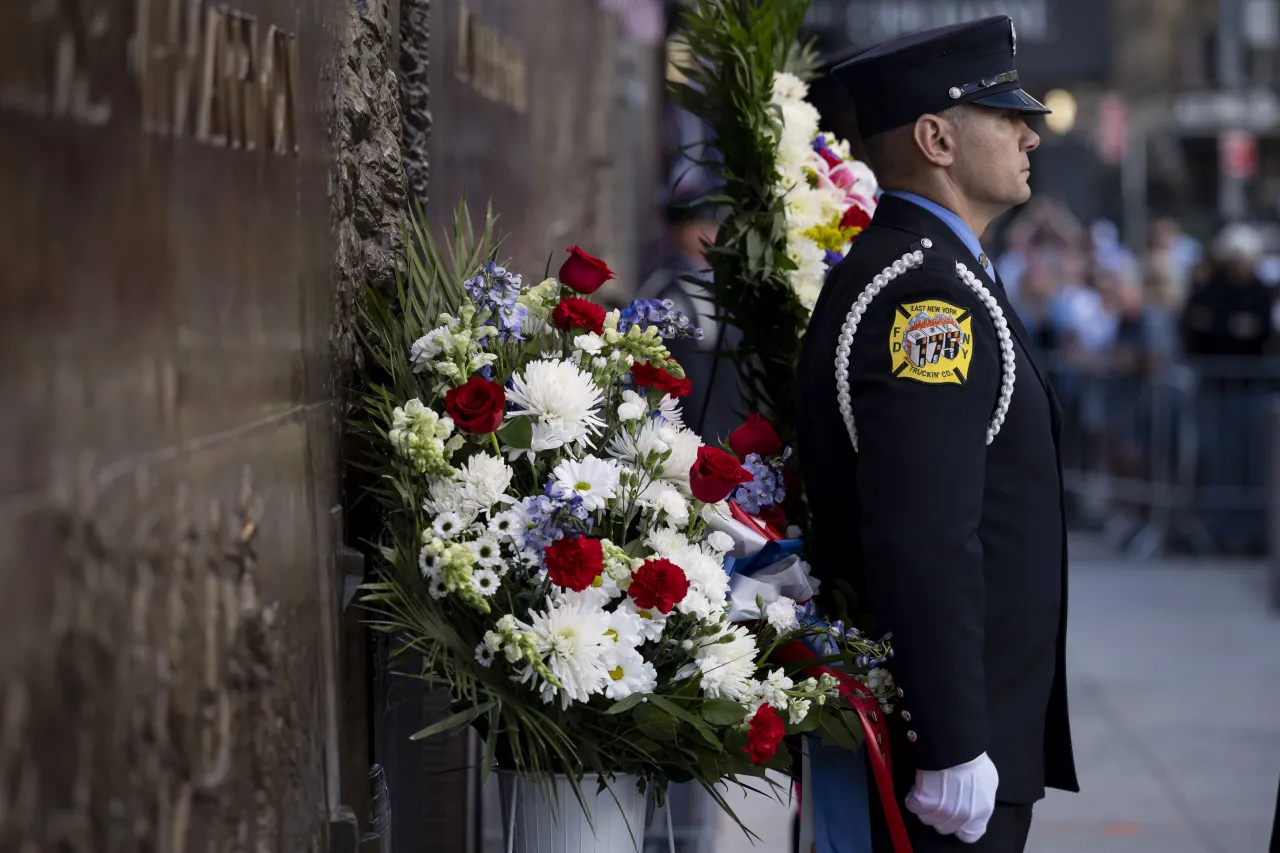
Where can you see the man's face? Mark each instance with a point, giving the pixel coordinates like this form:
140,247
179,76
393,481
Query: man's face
991,164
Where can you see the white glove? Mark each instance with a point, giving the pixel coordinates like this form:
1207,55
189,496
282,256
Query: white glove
956,801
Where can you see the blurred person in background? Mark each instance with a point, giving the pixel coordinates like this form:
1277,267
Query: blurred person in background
714,409
1173,255
1227,325
1231,313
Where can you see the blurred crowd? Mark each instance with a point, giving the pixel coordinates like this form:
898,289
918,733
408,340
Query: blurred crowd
1160,361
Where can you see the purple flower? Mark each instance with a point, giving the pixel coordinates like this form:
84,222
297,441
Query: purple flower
495,290
833,258
555,514
659,313
766,489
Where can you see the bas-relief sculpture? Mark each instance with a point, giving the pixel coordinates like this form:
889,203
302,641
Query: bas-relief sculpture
176,326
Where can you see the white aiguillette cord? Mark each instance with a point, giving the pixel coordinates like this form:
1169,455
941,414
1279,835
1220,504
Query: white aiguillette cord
910,261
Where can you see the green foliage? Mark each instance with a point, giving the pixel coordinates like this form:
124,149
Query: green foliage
734,49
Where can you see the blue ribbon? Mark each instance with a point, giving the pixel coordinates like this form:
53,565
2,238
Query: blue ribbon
773,551
841,799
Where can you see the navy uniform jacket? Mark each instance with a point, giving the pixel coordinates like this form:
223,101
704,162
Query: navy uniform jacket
957,547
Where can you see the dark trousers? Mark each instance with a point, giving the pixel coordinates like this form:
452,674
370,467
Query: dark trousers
1006,833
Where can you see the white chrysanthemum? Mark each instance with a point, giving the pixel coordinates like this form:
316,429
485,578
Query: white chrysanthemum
773,690
448,525
666,541
652,621
484,655
571,638
425,349
666,498
429,561
592,478
487,551
789,87
561,400
653,437
630,673
669,408
484,581
437,588
632,407
727,667
781,615
483,483
684,453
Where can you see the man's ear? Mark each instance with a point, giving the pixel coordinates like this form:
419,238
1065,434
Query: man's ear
935,139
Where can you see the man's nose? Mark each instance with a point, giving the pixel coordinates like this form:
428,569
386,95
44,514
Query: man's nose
1032,140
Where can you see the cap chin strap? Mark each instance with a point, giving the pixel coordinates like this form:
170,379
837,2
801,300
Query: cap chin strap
957,92
910,261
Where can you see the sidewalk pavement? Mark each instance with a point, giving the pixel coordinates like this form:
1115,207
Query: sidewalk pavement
1175,707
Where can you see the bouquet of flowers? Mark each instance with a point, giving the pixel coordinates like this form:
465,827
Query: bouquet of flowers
557,545
829,196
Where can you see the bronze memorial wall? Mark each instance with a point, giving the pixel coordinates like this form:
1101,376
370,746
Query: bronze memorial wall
192,194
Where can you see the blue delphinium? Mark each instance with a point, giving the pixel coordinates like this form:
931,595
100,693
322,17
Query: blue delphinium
495,290
766,489
556,513
833,258
659,313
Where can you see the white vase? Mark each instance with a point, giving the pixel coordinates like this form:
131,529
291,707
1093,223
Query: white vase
548,818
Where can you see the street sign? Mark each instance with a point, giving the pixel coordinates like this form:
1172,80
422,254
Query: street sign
1238,154
1257,110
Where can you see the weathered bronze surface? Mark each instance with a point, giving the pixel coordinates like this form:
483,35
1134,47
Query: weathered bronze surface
168,449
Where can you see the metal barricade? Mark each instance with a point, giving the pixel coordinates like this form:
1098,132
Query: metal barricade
1175,459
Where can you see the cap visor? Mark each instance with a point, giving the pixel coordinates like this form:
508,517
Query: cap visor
1014,99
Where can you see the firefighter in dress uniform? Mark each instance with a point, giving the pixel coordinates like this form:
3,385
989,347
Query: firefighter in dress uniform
973,588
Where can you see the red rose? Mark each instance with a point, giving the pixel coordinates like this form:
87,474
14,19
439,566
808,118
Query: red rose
756,435
764,734
575,313
476,407
658,584
646,374
715,475
582,272
574,563
855,217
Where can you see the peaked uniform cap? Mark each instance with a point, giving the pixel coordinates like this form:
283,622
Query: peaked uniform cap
896,82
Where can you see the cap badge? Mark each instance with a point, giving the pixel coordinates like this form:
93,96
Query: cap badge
954,92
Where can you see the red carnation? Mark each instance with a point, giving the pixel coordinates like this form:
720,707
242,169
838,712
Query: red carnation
855,217
832,160
756,435
476,407
574,563
715,475
659,585
763,736
575,313
582,272
646,374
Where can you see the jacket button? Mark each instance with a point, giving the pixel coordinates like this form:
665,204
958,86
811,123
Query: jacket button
899,692
926,243
911,736
906,715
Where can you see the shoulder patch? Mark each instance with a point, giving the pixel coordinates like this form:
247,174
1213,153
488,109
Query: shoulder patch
931,342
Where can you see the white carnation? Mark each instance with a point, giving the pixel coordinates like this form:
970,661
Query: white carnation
781,615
